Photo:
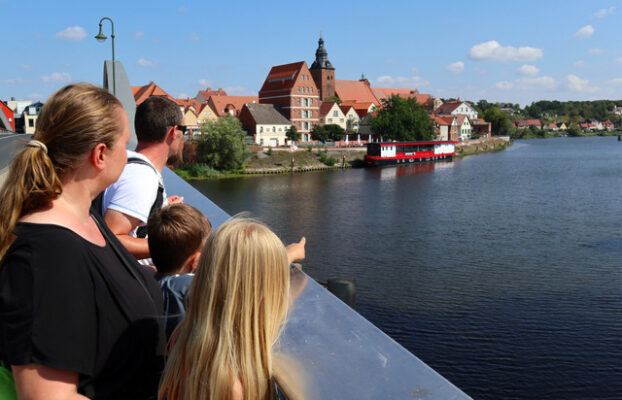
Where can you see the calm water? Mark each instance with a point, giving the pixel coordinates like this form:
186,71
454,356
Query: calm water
502,271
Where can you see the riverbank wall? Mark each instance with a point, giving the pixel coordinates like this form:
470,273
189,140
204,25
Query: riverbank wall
478,146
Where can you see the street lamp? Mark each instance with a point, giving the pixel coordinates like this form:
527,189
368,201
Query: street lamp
101,38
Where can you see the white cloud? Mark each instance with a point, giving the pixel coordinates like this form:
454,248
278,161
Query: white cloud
391,61
57,77
27,67
603,12
616,81
183,96
206,82
596,51
584,33
576,84
194,37
239,91
139,35
144,63
182,9
71,33
619,60
493,51
15,80
402,82
456,67
504,85
542,82
528,70
414,70
579,64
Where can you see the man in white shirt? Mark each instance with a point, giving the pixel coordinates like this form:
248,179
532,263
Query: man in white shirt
139,191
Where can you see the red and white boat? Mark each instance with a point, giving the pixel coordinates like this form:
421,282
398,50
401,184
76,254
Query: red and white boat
397,153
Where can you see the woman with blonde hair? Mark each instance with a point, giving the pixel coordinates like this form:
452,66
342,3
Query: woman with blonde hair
77,320
238,302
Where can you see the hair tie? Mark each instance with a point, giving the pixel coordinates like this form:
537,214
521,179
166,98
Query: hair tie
36,143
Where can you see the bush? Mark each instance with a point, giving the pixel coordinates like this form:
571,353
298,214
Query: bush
222,144
190,171
330,161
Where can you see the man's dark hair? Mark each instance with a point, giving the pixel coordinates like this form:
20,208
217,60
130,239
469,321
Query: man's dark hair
154,117
176,232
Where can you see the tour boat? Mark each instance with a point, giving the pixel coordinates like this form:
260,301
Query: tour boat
397,153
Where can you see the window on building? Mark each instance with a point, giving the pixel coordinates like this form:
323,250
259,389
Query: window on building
274,129
299,101
330,120
299,113
305,114
305,102
306,126
335,113
31,123
298,89
311,89
340,119
311,113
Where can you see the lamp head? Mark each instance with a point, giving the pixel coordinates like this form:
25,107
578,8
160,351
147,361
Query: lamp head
101,38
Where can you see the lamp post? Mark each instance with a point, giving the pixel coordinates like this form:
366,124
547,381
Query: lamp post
102,38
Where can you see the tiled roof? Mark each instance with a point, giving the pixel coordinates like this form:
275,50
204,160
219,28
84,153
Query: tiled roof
345,109
441,121
384,93
357,91
221,103
209,92
361,108
460,119
267,114
142,93
185,103
325,107
448,107
283,76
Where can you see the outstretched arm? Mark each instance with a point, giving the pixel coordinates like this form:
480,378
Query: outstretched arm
296,251
39,382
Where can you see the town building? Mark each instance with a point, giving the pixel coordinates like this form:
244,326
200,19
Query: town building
31,114
526,123
292,88
203,95
456,108
266,123
230,105
323,72
142,93
331,113
480,128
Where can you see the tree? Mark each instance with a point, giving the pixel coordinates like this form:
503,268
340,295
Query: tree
293,134
332,98
499,121
402,119
326,132
222,144
573,130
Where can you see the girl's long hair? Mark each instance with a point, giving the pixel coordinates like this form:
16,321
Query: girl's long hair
71,123
238,301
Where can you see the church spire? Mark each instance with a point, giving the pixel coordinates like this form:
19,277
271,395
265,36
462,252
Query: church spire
321,57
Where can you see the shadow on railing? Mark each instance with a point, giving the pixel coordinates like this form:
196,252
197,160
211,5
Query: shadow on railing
332,351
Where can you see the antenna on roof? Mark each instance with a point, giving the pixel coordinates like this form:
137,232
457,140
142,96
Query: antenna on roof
320,33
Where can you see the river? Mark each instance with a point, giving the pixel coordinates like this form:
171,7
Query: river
502,271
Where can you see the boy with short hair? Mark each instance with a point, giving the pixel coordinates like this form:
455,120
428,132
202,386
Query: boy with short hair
176,234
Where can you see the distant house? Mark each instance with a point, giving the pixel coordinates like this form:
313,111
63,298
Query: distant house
441,127
616,110
229,105
7,119
596,124
456,108
206,113
508,110
465,129
365,111
330,113
352,118
561,126
189,108
266,123
31,114
481,128
552,127
608,126
526,123
293,89
142,93
203,95
385,93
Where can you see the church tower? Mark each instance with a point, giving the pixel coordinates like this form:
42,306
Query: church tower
323,72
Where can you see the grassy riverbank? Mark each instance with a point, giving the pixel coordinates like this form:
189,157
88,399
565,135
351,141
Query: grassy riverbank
282,161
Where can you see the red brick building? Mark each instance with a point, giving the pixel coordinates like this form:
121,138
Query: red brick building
293,89
323,72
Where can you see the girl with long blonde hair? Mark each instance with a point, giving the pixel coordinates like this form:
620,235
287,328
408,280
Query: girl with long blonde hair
238,302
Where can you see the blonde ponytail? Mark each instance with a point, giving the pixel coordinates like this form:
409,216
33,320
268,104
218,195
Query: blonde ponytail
72,122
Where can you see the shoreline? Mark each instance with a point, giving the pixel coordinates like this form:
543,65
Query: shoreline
282,161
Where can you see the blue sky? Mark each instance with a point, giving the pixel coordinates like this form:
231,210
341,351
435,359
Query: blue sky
510,51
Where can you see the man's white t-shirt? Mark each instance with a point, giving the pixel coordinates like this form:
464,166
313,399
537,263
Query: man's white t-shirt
135,191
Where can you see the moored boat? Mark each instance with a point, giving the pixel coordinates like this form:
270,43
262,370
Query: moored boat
397,153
